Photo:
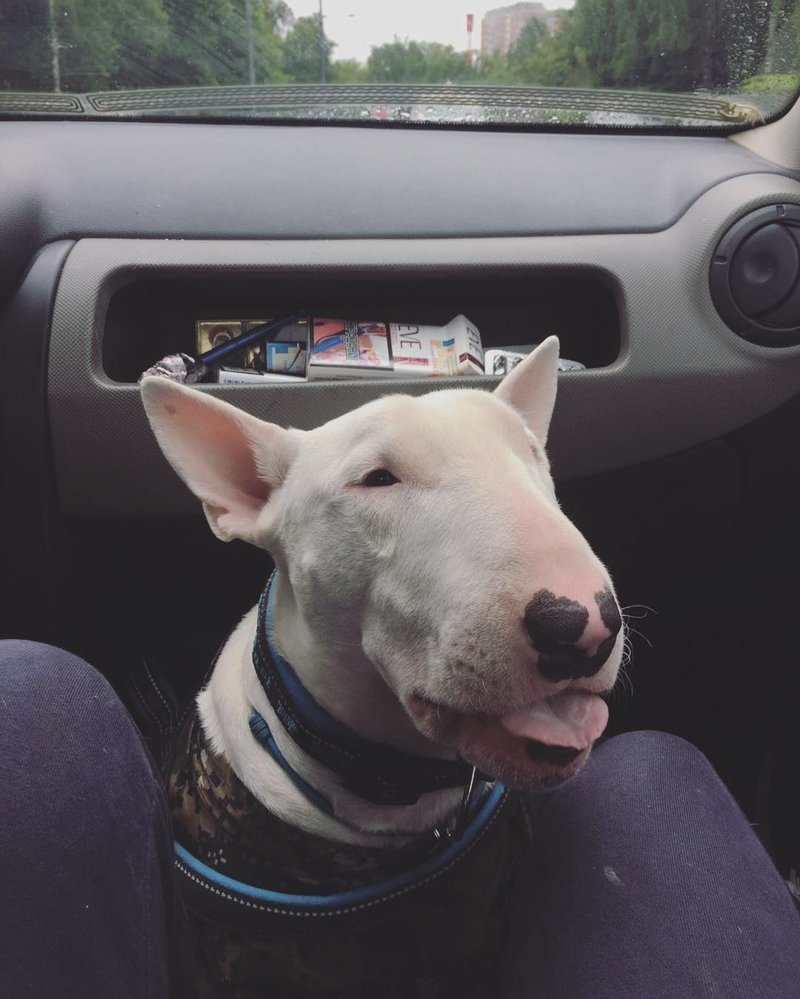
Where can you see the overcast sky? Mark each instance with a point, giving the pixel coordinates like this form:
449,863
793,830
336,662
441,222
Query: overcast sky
357,25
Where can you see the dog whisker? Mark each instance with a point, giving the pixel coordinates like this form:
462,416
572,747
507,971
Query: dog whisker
644,607
635,631
623,688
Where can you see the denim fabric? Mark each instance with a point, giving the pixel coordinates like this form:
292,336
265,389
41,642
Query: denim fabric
88,904
645,881
648,881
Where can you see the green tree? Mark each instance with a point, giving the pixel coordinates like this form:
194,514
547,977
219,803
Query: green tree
783,42
659,44
527,46
668,44
444,65
306,50
270,18
493,69
396,62
108,43
540,58
345,71
143,34
138,43
25,62
209,42
417,62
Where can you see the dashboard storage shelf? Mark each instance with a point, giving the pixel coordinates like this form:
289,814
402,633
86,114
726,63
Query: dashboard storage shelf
151,316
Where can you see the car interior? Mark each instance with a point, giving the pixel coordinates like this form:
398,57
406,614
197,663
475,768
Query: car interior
666,262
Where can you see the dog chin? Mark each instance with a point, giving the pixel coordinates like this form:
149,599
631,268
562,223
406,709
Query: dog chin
521,763
513,767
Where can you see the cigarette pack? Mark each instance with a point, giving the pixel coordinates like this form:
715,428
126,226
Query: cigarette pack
454,349
348,348
290,333
286,358
501,360
246,376
422,351
468,346
212,333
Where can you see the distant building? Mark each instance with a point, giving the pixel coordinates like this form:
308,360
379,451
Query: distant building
500,28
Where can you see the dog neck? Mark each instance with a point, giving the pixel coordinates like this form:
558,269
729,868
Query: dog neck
287,730
375,771
331,665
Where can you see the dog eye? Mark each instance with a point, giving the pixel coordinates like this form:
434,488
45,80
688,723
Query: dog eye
380,477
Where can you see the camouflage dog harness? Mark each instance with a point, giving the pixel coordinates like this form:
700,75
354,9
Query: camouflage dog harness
278,911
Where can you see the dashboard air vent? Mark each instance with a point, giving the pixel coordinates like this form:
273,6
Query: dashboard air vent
755,276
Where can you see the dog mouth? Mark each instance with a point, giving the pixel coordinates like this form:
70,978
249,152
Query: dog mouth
529,749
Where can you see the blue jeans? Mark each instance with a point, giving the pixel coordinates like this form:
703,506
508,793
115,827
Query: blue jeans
646,879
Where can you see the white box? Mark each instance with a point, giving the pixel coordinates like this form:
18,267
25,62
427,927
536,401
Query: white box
425,351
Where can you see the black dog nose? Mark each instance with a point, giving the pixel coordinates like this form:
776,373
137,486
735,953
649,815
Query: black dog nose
558,630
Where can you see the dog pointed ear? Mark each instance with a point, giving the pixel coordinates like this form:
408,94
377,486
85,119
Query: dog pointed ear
230,460
530,388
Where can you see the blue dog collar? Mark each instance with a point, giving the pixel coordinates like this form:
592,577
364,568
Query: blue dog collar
374,771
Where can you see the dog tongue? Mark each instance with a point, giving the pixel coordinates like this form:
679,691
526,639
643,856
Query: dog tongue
572,718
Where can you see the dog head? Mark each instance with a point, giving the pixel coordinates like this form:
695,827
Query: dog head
425,533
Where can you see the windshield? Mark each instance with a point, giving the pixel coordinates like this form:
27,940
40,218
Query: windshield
679,64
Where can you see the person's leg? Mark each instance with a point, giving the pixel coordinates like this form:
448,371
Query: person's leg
88,903
647,881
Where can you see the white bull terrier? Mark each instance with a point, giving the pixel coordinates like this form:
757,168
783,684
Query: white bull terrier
433,612
430,594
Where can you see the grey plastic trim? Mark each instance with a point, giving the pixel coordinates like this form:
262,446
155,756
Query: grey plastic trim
778,142
205,181
682,378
